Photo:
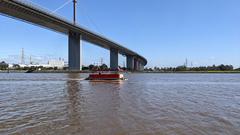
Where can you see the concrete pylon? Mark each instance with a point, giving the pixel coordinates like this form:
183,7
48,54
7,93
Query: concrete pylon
141,66
130,62
74,51
113,59
138,65
135,64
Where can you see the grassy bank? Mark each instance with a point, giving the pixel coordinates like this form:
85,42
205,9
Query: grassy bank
217,72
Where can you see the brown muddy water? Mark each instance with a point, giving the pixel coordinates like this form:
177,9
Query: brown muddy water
145,104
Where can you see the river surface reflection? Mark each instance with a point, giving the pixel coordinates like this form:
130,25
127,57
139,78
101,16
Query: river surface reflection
167,104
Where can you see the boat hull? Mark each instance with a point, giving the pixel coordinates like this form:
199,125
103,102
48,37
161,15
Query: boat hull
106,77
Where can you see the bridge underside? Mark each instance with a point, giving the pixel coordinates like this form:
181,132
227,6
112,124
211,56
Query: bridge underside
75,56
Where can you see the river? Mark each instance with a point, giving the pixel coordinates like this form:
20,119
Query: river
145,104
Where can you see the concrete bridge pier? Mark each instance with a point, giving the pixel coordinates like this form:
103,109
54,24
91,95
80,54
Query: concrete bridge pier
74,51
135,64
130,62
113,59
138,65
141,66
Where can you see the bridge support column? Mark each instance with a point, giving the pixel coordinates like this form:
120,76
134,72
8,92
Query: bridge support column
130,63
74,51
113,59
138,65
135,64
141,66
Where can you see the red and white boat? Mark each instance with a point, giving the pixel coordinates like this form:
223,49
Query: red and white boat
106,76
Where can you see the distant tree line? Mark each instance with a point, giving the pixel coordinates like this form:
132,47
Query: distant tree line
200,68
91,67
3,65
103,67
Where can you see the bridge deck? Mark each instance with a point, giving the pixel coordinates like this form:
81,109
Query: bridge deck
37,16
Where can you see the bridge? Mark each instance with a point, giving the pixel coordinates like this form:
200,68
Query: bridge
30,13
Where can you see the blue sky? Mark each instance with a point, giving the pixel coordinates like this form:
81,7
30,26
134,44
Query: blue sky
166,32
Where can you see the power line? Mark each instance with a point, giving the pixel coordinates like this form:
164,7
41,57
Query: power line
60,7
91,20
42,7
63,5
35,4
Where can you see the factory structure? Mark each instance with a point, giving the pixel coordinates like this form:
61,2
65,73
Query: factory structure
53,63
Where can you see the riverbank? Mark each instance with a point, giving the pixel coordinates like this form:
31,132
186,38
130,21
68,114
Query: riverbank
87,71
44,71
195,72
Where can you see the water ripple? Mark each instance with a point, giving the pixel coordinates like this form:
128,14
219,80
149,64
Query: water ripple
169,104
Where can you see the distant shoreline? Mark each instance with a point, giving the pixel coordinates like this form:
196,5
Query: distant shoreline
147,72
200,72
44,71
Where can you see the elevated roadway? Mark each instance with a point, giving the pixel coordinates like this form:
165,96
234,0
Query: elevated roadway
25,11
